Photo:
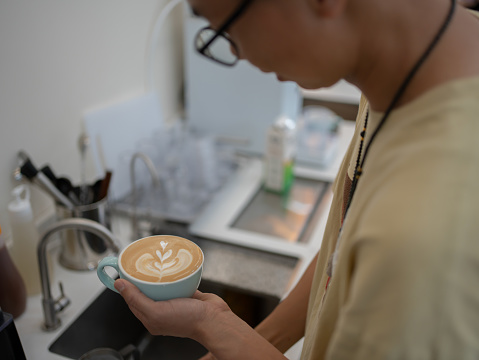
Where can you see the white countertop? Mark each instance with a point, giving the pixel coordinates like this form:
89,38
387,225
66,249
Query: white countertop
81,287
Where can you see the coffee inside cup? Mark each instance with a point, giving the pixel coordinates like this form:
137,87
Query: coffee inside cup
161,258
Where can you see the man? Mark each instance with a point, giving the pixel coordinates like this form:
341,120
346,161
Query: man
396,274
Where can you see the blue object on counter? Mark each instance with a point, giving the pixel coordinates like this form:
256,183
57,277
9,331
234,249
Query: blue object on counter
10,345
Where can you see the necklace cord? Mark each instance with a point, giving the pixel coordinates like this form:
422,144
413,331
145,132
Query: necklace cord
396,98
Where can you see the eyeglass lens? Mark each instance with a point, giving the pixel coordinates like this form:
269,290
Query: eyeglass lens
220,49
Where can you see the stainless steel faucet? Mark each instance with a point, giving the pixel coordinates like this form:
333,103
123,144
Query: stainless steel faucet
52,307
156,181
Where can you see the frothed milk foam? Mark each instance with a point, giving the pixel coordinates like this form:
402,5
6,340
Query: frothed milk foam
161,258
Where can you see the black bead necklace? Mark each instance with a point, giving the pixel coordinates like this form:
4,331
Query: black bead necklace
358,170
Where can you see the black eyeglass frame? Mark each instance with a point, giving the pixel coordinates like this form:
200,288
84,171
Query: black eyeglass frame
221,32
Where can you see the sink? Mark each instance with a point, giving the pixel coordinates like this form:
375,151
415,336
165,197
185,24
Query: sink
108,322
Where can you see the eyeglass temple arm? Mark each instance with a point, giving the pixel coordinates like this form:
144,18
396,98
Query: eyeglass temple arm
227,24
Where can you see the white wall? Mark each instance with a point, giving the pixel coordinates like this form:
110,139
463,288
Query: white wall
61,58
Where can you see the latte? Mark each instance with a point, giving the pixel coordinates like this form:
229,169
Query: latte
161,258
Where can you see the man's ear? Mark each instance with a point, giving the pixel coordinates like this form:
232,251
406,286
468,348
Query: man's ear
328,8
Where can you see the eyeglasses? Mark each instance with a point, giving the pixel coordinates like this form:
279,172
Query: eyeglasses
217,44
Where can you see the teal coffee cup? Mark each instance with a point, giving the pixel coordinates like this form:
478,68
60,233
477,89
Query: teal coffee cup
163,267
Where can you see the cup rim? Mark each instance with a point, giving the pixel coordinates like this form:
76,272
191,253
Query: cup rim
128,276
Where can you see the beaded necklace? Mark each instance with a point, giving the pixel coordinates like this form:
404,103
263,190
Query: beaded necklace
358,170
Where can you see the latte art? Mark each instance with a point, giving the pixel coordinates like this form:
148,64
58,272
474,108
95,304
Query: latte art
163,264
161,258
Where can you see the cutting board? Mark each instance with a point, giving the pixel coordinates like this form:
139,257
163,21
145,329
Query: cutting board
115,130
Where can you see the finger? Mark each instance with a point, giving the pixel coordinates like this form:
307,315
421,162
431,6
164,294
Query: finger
198,295
136,300
212,299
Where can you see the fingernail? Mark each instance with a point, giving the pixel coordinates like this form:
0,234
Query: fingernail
119,286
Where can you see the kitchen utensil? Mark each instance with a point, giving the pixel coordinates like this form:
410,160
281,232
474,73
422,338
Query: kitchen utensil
49,174
83,144
95,190
41,180
105,184
63,184
67,188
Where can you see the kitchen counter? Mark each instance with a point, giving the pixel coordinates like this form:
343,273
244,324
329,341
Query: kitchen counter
248,270
244,269
80,287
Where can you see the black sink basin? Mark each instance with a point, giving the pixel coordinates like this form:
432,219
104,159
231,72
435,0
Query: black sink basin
108,322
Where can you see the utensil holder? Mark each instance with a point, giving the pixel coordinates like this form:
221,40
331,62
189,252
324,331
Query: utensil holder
82,250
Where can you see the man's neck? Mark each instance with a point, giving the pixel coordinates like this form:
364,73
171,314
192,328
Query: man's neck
389,57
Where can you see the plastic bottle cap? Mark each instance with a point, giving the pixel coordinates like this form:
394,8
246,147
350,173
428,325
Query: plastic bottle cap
20,208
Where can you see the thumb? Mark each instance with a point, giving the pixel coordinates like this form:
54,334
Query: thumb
136,300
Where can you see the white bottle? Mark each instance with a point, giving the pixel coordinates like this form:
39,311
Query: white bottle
280,155
25,238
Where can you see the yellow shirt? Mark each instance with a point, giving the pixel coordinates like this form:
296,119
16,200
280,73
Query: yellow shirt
405,282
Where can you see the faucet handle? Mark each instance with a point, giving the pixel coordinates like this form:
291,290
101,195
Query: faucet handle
62,302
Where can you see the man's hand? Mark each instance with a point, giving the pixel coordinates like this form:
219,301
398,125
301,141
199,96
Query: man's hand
178,317
205,318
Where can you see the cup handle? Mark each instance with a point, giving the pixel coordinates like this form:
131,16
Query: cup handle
106,279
